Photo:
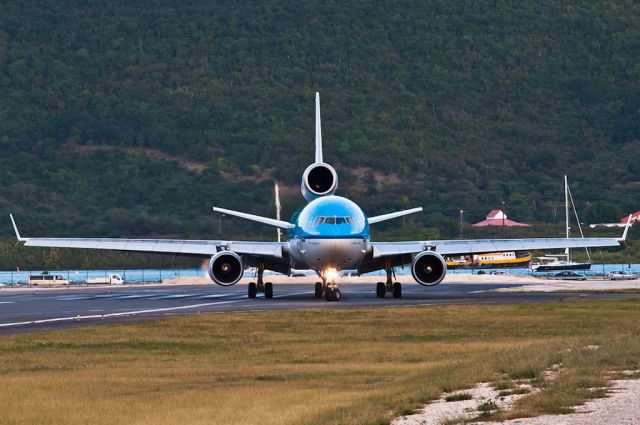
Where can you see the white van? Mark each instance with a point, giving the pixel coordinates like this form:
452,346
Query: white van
112,279
46,279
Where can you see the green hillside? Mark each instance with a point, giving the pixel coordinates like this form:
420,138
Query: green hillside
134,118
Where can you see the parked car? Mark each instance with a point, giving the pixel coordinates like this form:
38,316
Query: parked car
569,276
46,279
621,275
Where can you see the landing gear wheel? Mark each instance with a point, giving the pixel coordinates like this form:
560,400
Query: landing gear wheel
252,289
380,290
328,294
318,289
332,294
268,290
397,290
337,295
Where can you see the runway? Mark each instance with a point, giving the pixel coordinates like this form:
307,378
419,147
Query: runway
30,309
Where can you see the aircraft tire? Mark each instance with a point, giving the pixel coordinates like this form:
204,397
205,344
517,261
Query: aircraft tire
318,289
337,295
329,294
252,290
380,290
268,290
397,290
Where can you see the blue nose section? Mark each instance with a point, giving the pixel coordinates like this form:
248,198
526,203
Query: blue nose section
331,217
335,230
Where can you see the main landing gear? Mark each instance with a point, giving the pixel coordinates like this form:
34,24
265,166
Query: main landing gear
260,285
329,289
389,286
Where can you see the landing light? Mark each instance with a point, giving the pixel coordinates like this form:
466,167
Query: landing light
330,274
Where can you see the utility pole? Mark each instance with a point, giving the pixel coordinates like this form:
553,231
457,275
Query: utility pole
503,216
220,224
461,224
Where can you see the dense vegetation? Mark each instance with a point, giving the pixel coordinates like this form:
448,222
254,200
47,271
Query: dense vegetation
132,119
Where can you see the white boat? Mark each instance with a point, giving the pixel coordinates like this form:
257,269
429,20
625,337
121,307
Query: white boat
549,263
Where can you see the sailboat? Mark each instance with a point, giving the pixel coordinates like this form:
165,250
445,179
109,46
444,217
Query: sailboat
559,262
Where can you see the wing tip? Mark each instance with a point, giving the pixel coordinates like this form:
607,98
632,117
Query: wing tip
15,229
623,239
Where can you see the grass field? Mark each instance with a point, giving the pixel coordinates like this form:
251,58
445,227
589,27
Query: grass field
311,367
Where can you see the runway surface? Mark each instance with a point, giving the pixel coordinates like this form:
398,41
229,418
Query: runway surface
30,309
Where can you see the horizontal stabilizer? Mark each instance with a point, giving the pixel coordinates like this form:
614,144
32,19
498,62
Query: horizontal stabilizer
396,214
270,221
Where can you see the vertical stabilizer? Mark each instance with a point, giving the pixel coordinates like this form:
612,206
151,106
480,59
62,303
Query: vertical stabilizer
319,179
318,131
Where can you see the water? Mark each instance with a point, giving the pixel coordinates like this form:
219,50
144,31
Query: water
157,275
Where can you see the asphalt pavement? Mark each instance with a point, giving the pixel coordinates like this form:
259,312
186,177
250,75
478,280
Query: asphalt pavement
36,309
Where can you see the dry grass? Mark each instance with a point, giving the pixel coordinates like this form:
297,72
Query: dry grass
627,291
311,367
458,397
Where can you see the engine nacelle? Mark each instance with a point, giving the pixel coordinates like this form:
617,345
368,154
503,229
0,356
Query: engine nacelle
226,268
319,179
428,268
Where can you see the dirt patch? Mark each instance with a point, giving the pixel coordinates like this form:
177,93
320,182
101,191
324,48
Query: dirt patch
189,165
483,400
622,406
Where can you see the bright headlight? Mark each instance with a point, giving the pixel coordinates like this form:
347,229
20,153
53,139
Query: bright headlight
330,274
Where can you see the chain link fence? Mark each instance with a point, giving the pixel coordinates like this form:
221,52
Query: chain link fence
79,277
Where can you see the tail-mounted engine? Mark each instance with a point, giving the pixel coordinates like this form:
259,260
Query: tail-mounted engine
428,268
226,268
319,179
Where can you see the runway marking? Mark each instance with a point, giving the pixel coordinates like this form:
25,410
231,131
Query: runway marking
138,296
7,302
133,312
176,296
214,296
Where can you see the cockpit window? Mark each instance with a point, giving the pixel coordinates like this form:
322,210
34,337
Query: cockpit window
332,220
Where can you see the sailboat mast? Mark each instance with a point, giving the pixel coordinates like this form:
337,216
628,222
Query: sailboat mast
566,211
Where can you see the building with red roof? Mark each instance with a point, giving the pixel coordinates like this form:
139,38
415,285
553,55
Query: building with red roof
498,218
635,218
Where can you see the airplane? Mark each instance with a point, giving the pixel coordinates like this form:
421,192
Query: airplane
328,234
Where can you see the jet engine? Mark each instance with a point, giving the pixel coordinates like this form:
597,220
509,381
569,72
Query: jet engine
428,268
319,179
226,268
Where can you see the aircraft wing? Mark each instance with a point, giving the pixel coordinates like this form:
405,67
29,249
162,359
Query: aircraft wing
479,246
461,247
165,246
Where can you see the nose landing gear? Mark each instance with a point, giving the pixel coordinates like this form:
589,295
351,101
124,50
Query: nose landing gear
394,288
333,294
328,288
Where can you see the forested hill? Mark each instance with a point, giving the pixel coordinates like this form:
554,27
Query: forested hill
133,118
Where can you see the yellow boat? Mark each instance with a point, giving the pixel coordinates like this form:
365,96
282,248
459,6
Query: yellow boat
490,260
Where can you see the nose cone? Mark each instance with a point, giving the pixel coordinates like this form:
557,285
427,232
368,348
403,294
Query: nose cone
332,217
